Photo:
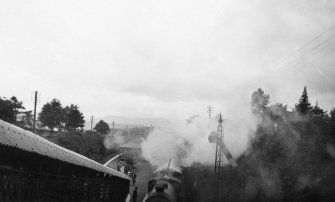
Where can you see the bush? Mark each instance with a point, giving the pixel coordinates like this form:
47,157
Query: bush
88,144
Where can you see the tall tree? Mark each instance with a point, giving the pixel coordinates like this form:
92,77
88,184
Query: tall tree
74,118
332,122
304,106
318,112
51,114
332,115
9,109
277,111
102,127
16,104
259,100
65,112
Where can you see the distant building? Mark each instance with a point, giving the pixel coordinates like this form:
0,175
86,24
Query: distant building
24,119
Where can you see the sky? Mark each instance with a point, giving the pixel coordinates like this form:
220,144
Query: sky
166,58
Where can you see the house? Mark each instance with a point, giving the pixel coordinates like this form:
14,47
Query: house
24,119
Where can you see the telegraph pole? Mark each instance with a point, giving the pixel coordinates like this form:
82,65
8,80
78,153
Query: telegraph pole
218,166
220,151
210,110
34,124
91,123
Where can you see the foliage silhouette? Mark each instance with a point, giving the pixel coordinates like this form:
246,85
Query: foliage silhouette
52,114
102,127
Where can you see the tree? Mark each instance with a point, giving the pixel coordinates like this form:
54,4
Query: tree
332,122
16,104
332,115
102,127
277,111
318,112
9,109
303,106
51,114
74,118
259,100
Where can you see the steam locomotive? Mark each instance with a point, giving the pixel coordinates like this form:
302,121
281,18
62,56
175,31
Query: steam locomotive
165,186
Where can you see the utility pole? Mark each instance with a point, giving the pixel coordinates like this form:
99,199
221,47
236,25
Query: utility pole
35,103
210,110
218,166
113,126
220,151
91,123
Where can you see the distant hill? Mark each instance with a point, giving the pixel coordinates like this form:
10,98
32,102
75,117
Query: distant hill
130,122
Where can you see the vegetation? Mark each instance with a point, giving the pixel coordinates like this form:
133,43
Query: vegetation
136,133
91,145
73,118
259,100
332,115
318,112
290,158
303,106
102,127
88,144
9,108
54,115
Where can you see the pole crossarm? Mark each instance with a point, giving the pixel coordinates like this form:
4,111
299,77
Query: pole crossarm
226,152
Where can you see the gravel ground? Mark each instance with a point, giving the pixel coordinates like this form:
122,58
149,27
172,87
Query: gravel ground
144,172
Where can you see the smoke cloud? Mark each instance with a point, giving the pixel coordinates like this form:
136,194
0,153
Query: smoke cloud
187,143
114,139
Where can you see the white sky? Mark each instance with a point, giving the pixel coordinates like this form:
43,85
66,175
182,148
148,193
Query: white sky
173,58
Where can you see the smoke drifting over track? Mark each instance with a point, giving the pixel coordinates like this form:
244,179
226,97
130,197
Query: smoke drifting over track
188,143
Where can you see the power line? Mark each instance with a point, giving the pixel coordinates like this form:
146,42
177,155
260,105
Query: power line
299,53
300,49
295,61
311,41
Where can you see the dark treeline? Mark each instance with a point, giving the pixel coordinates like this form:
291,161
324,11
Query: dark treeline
66,121
291,157
9,109
54,115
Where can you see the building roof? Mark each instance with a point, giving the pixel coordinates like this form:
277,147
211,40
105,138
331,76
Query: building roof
13,136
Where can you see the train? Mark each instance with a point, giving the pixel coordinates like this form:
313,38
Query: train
166,185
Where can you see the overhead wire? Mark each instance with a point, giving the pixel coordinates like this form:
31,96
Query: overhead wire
311,41
292,62
297,60
301,52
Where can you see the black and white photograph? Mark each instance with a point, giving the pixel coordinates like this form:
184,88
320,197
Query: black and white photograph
167,101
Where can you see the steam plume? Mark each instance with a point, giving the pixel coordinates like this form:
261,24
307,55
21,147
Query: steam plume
188,143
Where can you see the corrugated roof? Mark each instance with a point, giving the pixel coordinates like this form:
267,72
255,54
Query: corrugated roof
13,136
